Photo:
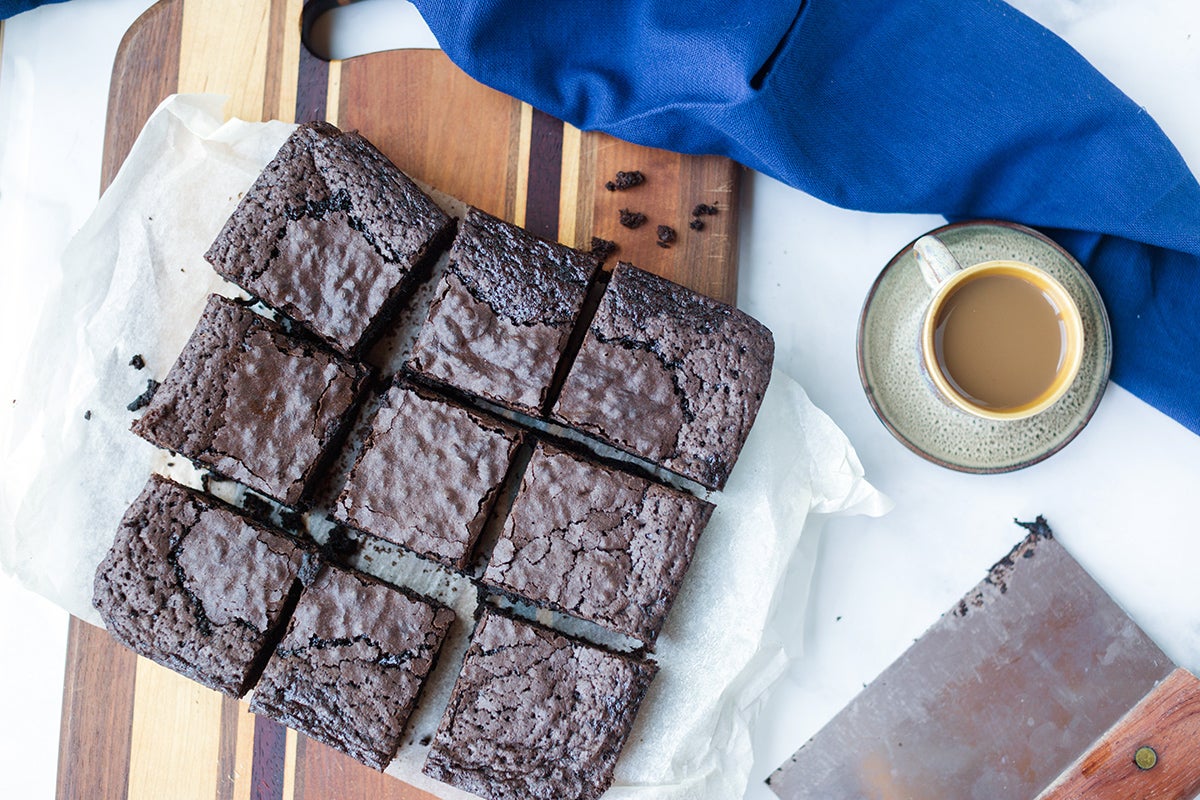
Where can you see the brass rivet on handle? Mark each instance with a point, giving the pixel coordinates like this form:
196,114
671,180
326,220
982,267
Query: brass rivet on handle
1145,757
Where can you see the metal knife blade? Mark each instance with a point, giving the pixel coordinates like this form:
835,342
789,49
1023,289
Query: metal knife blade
1005,692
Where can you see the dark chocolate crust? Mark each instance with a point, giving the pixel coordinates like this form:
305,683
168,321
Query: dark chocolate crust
333,235
427,475
596,543
535,715
503,313
669,375
198,587
354,658
253,403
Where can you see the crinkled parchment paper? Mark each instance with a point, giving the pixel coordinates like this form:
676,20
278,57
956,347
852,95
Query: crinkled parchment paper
134,282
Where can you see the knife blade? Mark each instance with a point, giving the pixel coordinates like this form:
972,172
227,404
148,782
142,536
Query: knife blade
1018,683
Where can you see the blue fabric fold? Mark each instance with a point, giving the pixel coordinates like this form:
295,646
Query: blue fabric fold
10,8
965,108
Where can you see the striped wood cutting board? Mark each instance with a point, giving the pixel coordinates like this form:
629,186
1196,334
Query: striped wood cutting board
133,729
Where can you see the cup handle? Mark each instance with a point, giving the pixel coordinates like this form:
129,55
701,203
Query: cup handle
935,260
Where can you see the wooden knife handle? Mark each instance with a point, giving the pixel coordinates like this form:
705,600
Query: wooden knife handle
1152,753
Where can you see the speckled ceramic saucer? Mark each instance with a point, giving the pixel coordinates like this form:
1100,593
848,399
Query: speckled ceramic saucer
888,359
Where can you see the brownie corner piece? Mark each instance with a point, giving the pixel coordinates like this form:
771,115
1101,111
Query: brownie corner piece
355,656
503,313
198,587
332,234
669,375
427,475
535,715
597,543
253,403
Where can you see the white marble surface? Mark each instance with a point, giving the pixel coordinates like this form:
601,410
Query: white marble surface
1120,497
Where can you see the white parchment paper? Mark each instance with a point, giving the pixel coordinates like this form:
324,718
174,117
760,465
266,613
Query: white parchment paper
134,282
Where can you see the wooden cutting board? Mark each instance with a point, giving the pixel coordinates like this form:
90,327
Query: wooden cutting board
133,729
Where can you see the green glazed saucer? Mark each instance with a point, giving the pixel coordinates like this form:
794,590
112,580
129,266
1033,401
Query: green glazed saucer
889,363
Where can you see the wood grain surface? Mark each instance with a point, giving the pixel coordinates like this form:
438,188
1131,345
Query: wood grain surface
135,730
1165,726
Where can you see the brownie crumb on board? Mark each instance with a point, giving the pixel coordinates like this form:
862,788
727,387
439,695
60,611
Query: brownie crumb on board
666,235
625,180
704,210
137,362
143,399
603,248
696,224
632,219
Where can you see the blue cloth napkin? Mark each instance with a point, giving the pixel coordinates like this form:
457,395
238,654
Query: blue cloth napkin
965,108
10,8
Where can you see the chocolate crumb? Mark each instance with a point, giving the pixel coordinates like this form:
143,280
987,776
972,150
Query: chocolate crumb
703,210
293,520
603,248
137,362
625,180
425,740
143,399
340,543
87,414
666,235
696,224
632,219
257,507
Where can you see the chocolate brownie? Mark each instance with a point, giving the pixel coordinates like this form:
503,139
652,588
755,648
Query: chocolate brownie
535,715
349,669
599,544
253,403
333,235
427,475
503,313
669,375
197,586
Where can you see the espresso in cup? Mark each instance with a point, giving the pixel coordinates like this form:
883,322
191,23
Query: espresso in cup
1001,339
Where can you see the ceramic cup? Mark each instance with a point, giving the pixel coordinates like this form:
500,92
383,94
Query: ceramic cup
999,340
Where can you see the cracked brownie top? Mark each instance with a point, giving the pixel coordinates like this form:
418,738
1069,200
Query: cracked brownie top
596,543
331,234
535,715
354,658
253,403
669,375
503,313
427,475
196,586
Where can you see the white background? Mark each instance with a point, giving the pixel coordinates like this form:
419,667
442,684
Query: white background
1120,497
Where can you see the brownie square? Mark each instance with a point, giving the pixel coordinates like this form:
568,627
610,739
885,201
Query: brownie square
333,235
669,375
197,586
354,658
427,475
502,314
253,403
536,715
596,543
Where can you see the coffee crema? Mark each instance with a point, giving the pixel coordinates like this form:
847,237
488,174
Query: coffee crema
1000,341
